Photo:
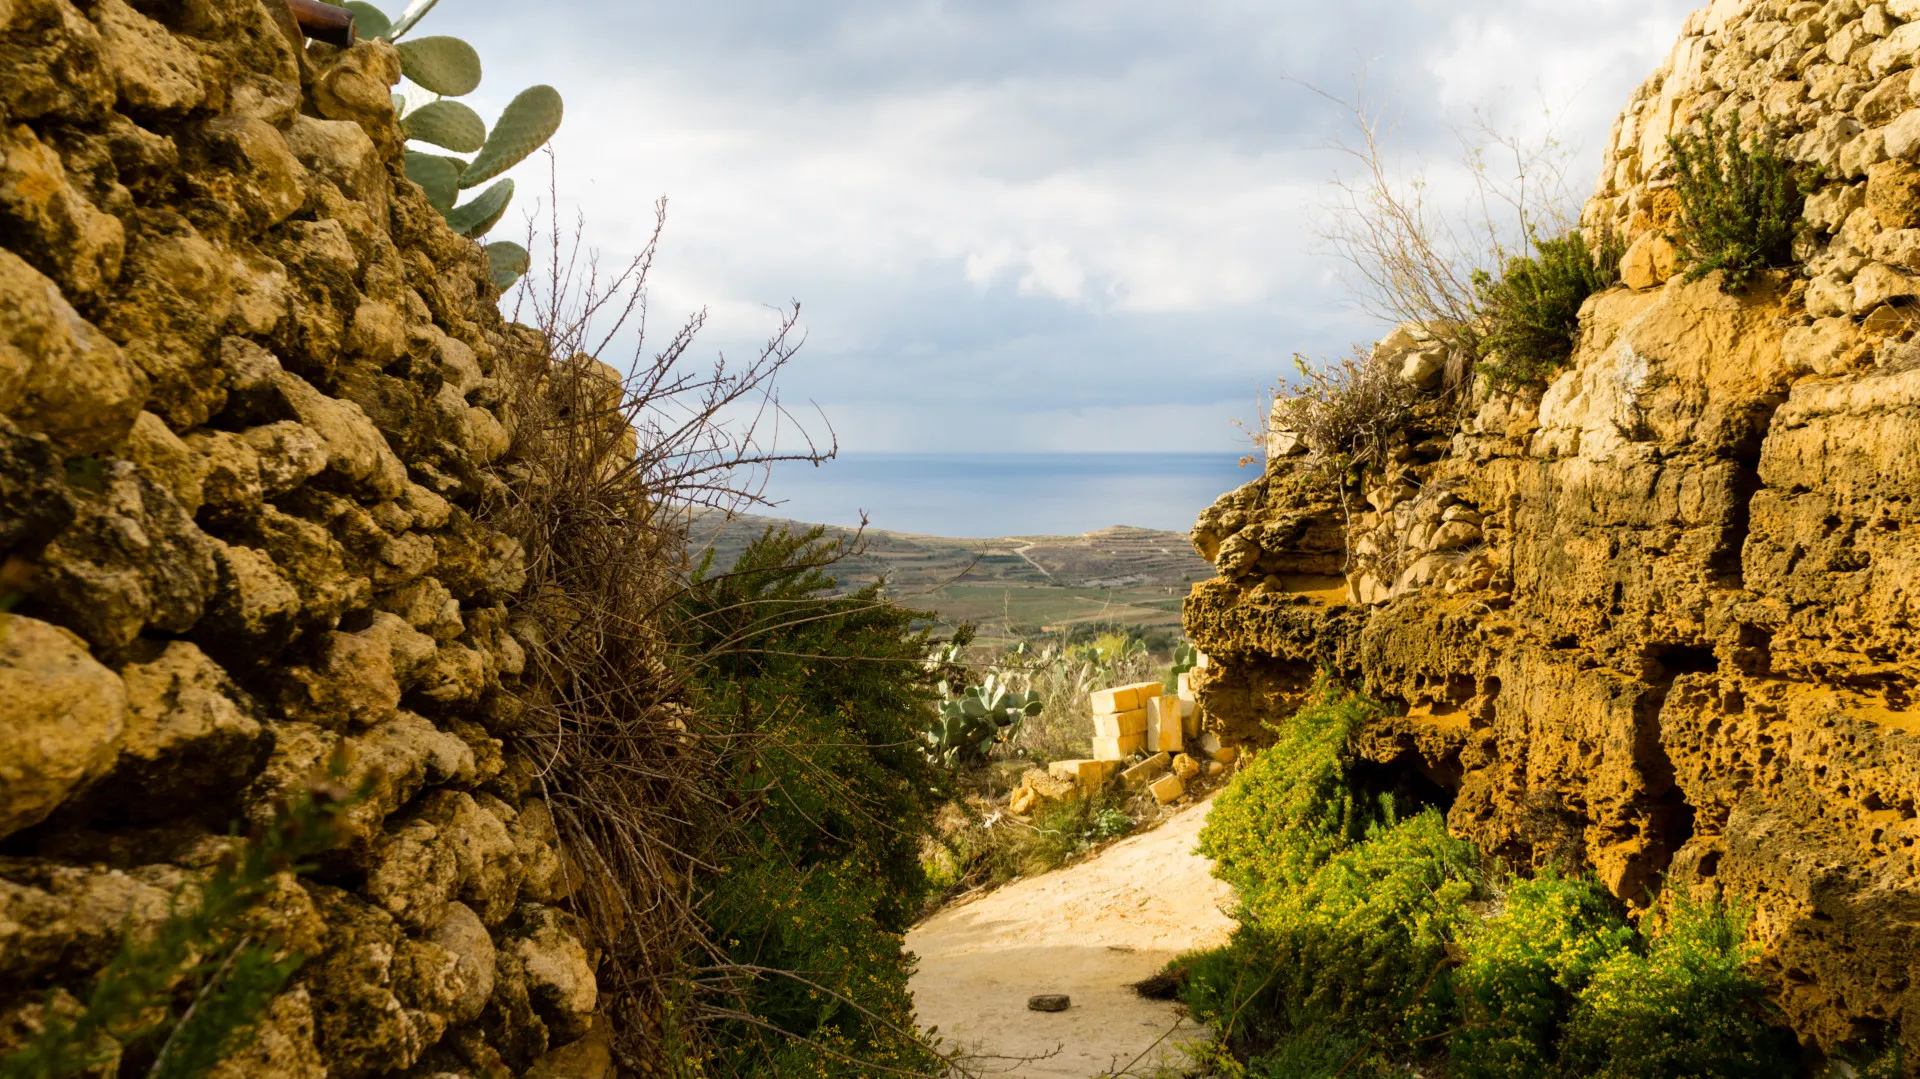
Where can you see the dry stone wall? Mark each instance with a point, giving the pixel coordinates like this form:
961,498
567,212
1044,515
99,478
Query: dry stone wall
250,389
1659,621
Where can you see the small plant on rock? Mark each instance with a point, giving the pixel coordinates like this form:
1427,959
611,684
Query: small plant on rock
1532,311
450,68
1349,413
1740,203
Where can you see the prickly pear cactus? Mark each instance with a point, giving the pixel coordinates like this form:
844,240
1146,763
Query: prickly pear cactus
981,717
526,125
449,67
448,125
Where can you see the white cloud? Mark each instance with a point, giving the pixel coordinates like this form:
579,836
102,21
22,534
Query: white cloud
1049,211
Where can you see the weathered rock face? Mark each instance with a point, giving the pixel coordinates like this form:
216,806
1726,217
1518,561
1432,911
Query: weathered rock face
249,385
1659,620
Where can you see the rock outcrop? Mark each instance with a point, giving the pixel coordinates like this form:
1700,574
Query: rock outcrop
250,387
1659,620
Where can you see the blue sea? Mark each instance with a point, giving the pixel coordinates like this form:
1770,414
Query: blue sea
986,495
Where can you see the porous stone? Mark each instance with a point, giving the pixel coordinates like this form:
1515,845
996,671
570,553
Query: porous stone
190,730
62,718
59,375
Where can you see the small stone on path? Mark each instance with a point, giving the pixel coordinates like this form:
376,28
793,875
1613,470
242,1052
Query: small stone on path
1048,1002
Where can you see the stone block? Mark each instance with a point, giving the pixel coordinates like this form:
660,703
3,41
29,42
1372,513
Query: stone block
1113,701
1121,725
1190,719
1164,727
1183,687
1118,749
1088,775
1146,771
1226,754
1208,743
1167,788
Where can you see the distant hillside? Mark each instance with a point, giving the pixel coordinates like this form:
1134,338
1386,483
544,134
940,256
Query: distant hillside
1136,576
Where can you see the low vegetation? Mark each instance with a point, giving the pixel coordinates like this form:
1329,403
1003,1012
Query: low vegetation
982,847
1740,203
1372,940
1532,311
1351,412
820,700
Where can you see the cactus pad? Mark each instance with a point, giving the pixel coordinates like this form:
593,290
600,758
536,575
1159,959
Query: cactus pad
506,262
444,65
438,176
528,122
447,124
368,21
476,217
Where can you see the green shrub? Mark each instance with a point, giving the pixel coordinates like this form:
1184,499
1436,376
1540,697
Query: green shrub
1689,1006
1347,908
1740,204
1357,951
1291,808
821,699
1533,310
1523,971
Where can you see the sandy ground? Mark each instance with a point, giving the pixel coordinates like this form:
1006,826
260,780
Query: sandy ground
1087,931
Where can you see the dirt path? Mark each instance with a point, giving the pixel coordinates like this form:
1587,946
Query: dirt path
1087,930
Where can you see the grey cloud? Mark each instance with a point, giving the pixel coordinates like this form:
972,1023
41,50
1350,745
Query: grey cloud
993,208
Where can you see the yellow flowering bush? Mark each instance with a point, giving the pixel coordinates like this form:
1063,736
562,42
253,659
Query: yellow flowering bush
1523,971
1687,1005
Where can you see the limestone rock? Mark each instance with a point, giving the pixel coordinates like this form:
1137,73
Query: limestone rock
175,295
356,451
131,559
58,374
157,452
64,920
559,976
340,151
190,730
62,717
1893,192
60,71
1649,261
253,609
591,1057
63,233
282,1045
462,934
154,72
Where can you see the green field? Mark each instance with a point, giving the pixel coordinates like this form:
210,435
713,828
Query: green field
1131,576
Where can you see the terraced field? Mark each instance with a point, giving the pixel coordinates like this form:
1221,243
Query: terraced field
1135,576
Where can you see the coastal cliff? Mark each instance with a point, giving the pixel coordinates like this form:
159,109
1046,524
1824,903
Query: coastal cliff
1656,621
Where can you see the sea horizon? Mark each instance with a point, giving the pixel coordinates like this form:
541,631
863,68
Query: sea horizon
989,495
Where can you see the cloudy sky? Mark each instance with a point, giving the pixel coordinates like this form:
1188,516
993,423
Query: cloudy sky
1041,225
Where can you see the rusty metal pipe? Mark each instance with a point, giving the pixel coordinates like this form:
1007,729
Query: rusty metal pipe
324,22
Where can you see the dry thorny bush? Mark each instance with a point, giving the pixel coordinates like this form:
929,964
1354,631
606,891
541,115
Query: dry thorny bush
603,476
1412,245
